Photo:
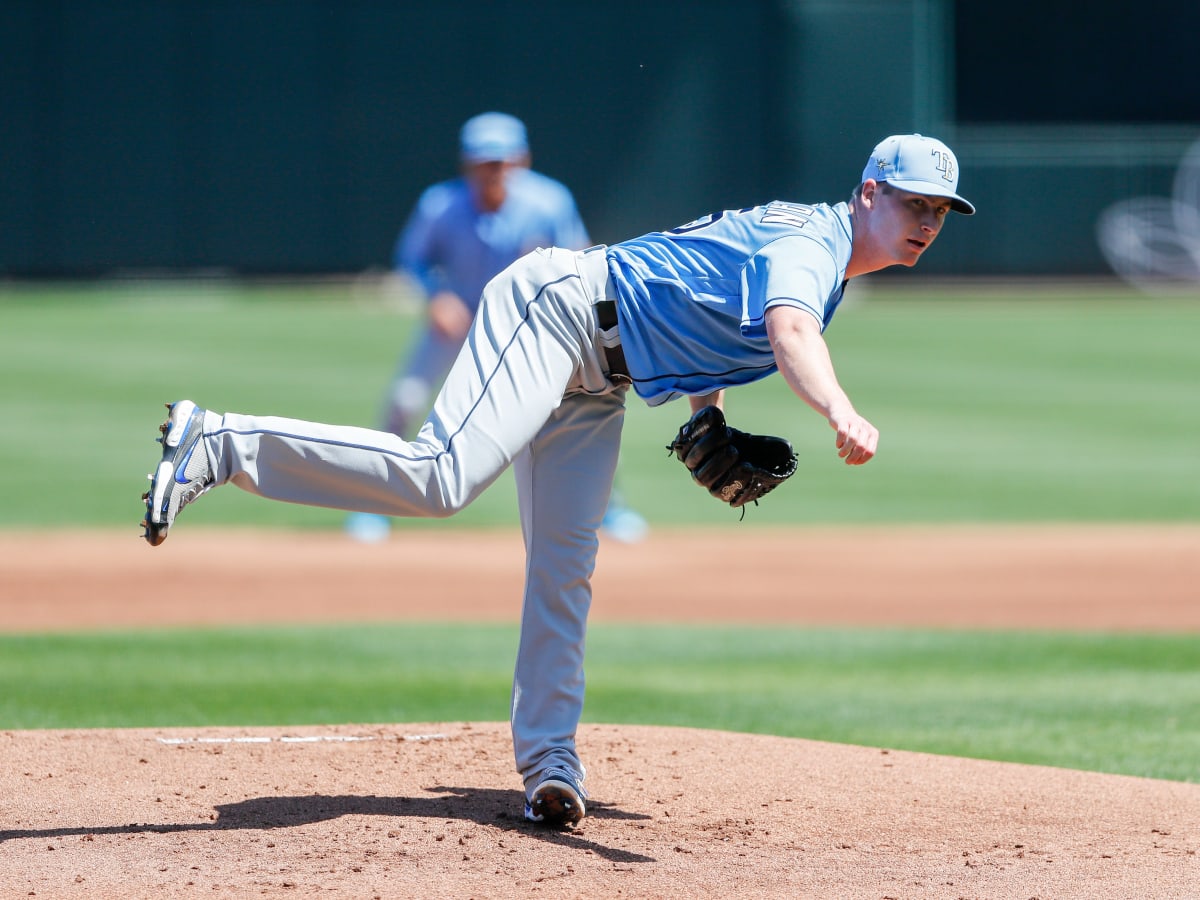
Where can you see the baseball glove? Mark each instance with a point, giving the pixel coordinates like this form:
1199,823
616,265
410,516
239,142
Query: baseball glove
735,467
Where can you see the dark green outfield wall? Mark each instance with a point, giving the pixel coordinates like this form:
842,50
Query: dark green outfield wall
292,137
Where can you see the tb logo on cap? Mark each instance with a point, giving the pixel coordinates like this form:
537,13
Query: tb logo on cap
945,164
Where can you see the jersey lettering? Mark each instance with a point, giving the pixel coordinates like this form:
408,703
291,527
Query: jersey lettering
705,221
782,213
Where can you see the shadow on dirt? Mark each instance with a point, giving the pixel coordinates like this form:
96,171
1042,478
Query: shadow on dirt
488,807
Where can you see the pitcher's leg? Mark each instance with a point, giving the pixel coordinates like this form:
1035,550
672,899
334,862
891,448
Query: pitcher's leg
563,483
522,354
339,466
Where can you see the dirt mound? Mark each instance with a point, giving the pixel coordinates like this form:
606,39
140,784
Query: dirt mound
434,810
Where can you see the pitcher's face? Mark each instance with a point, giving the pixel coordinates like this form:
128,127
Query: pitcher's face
904,224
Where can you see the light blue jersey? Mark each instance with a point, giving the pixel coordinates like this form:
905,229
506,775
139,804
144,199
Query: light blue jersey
692,300
448,244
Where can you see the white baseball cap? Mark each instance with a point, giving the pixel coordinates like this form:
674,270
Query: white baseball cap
493,137
922,165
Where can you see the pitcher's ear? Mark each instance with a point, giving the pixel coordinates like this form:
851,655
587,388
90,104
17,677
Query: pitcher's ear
868,191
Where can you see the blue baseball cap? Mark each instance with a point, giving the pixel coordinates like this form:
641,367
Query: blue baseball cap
493,137
919,164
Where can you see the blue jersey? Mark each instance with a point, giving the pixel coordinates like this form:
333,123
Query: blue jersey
692,301
448,244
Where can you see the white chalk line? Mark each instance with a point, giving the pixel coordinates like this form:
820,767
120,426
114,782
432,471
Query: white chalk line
298,739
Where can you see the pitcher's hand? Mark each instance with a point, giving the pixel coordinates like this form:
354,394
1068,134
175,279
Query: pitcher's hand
857,439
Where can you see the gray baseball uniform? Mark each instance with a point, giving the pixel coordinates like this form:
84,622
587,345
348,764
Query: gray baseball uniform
541,385
531,390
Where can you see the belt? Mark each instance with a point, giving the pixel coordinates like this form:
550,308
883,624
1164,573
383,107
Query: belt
606,318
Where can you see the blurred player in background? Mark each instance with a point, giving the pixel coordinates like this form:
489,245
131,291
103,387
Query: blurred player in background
462,233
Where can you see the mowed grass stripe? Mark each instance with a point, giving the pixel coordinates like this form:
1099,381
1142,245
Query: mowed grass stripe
1126,704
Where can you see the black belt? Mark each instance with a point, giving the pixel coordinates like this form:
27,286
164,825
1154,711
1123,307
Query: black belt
606,318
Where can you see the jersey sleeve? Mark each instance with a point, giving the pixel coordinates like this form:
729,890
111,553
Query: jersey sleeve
794,271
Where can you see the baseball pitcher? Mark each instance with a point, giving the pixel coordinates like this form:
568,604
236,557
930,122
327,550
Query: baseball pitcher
560,338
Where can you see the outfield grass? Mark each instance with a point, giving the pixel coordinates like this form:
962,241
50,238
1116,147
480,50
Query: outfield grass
1125,704
1002,407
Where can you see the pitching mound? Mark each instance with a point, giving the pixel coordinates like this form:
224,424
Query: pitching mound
421,812
434,810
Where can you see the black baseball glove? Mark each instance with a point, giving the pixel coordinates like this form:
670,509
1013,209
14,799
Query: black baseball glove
735,467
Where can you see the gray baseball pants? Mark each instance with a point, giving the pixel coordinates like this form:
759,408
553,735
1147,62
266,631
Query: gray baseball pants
530,388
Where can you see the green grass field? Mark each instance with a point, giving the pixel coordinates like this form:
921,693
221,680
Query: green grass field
997,405
1000,407
1125,704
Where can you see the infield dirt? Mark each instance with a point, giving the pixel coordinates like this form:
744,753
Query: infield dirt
432,809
